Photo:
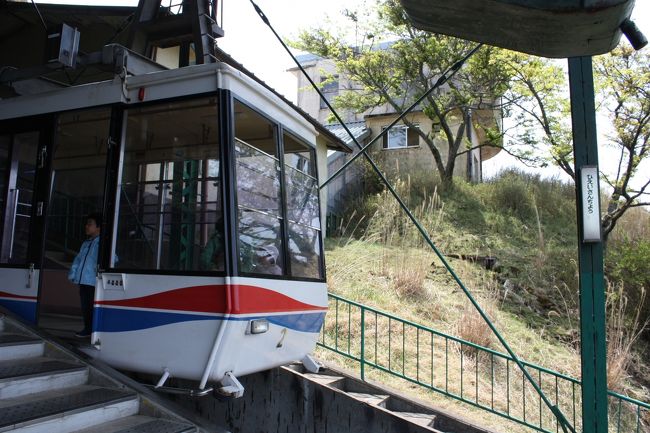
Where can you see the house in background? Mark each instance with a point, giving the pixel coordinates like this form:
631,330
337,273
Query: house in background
400,151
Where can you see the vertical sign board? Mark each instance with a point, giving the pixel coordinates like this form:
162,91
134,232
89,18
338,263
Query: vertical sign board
590,204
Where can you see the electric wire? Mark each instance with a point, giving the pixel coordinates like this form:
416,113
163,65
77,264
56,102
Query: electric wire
446,76
554,408
40,16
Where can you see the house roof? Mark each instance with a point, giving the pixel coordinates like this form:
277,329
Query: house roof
358,129
307,57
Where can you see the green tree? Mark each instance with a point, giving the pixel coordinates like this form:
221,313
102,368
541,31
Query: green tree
624,76
538,100
397,76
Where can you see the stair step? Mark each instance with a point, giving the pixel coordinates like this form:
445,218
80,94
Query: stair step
19,377
373,399
324,379
11,339
140,424
423,419
17,346
66,410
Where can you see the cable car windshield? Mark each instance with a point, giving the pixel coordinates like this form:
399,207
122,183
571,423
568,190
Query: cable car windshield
169,196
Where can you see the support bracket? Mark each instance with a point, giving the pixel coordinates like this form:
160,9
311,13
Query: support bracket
311,365
231,386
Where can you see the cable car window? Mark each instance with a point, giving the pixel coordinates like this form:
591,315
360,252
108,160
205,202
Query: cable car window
79,165
258,193
303,209
18,160
170,211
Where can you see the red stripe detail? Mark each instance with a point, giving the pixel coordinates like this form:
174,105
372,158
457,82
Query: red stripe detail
253,299
205,299
214,299
14,296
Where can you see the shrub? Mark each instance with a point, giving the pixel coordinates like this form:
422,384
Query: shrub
628,264
471,327
408,274
510,192
623,329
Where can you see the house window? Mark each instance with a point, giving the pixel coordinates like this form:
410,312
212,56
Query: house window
330,88
400,137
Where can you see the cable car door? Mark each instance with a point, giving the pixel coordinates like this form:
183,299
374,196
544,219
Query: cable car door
76,189
24,178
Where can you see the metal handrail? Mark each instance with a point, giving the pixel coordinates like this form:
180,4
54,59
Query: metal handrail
499,372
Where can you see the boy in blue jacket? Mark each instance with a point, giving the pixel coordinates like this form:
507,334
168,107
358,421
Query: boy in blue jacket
84,271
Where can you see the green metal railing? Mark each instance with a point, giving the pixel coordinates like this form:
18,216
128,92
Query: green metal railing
479,376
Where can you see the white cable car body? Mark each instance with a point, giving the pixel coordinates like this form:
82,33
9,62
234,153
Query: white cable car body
190,155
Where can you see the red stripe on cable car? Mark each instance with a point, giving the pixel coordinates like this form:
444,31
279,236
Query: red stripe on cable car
212,299
253,299
14,296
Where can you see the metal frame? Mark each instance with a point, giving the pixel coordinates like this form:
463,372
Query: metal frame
592,289
279,130
44,125
314,175
373,352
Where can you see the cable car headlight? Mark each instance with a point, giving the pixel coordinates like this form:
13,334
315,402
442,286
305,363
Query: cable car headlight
258,326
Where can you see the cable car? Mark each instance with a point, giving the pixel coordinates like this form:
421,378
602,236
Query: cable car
211,253
559,28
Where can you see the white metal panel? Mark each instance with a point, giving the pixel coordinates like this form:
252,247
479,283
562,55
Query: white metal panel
184,346
272,106
206,78
243,353
173,83
70,98
19,290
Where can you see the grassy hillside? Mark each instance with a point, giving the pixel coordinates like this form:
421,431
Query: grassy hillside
523,227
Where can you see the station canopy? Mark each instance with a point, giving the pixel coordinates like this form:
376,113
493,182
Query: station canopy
547,28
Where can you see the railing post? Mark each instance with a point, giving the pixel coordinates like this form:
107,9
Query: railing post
363,342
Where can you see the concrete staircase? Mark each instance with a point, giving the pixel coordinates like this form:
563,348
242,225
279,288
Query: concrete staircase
291,399
45,387
407,414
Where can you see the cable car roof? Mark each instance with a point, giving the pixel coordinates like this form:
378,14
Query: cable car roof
21,46
547,28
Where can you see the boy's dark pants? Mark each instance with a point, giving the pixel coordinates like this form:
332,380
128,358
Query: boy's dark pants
87,295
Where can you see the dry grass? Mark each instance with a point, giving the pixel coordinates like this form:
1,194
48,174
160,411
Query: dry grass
622,333
471,326
364,272
635,224
407,269
389,268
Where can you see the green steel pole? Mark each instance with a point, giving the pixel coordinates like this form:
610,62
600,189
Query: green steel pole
592,288
363,343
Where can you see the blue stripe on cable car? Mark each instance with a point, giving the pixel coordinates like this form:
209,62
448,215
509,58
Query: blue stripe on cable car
24,309
122,320
310,322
